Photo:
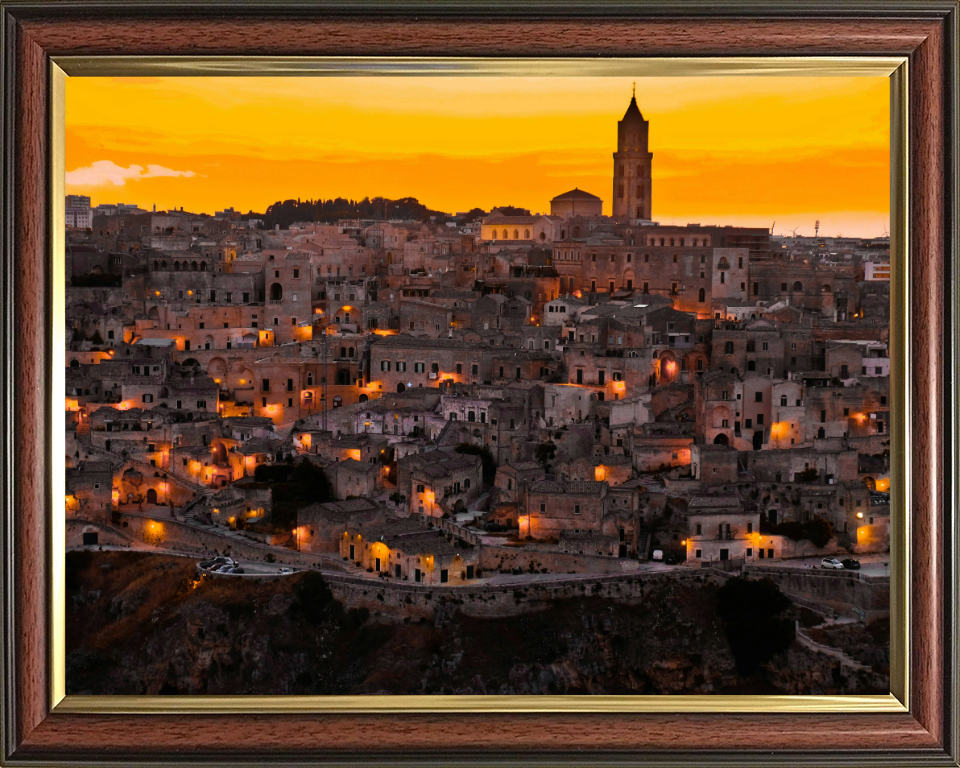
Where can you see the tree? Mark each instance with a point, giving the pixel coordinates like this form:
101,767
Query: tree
489,463
808,475
818,531
313,596
751,612
307,485
545,453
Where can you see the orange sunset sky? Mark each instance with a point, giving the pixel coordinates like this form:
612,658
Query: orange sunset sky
726,150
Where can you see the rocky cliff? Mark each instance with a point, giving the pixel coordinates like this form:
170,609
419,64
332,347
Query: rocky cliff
142,624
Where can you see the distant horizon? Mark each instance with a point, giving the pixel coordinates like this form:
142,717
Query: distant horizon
453,214
741,151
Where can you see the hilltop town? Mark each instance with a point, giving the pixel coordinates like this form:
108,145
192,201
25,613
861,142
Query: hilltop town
459,399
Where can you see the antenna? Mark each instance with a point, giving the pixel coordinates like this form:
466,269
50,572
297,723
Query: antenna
772,226
634,90
795,232
816,229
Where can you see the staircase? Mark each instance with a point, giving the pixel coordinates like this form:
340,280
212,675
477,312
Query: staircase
643,546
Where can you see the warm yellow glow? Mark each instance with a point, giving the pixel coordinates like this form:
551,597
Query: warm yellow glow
189,293
722,145
671,366
353,453
157,293
383,332
73,405
600,473
860,515
883,484
243,381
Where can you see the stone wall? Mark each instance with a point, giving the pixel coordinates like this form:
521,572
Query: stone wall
168,533
106,535
494,558
403,600
841,590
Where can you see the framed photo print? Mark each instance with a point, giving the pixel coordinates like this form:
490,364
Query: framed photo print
423,383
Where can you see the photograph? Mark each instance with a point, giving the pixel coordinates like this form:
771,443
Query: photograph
490,385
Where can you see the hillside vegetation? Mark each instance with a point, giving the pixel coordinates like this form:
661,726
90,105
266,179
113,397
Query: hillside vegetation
143,624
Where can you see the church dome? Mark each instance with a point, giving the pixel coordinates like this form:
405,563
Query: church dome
576,194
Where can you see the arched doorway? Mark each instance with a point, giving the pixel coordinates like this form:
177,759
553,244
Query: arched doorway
219,451
152,496
758,440
217,370
276,292
721,439
401,387
362,398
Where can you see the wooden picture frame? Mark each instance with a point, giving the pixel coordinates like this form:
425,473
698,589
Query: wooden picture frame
39,727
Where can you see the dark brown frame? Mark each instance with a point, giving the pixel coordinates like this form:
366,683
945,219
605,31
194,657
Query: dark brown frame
925,32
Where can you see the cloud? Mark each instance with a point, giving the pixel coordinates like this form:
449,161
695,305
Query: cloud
103,172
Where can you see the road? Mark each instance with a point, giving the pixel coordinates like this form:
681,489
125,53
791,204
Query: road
255,569
528,578
870,565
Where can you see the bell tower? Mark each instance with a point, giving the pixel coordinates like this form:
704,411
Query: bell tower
632,187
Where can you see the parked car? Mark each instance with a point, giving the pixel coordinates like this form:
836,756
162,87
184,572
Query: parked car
851,564
494,528
831,563
284,570
672,559
236,569
215,561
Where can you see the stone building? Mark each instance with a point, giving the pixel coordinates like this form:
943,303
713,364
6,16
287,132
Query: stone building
550,507
576,202
718,528
407,551
632,168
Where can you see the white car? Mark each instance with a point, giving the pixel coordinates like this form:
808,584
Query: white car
284,570
831,562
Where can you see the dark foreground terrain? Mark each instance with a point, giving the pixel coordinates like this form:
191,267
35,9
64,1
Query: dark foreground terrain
142,624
